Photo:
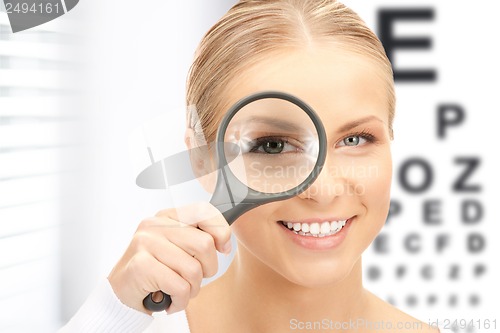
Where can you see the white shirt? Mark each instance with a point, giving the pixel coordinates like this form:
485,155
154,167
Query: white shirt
104,312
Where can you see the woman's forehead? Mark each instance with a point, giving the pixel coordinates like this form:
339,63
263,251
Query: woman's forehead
331,80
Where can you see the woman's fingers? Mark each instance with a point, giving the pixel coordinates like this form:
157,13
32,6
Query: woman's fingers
206,217
178,260
155,276
200,246
171,252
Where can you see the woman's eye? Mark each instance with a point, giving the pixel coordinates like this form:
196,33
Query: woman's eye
271,146
353,140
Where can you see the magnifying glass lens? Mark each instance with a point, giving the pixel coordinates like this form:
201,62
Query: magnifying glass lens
276,145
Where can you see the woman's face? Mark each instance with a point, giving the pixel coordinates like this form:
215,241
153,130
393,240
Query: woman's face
349,94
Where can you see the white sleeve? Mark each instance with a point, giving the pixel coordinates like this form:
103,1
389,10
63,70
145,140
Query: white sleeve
104,312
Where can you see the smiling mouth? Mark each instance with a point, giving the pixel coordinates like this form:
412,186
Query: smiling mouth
316,229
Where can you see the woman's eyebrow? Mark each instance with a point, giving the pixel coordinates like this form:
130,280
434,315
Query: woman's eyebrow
352,124
280,124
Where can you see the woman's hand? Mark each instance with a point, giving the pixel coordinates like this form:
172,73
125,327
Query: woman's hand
172,256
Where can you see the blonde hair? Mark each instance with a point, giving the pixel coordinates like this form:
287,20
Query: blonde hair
253,29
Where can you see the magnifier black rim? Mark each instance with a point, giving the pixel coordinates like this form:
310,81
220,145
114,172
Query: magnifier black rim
322,140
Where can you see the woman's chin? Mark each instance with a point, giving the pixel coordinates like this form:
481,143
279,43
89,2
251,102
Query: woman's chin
316,275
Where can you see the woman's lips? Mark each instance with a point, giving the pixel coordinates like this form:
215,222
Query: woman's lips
314,235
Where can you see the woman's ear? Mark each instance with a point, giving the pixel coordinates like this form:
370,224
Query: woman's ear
202,161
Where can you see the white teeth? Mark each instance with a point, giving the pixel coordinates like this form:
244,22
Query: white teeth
334,225
316,229
325,228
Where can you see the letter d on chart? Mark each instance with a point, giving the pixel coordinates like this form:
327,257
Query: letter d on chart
26,14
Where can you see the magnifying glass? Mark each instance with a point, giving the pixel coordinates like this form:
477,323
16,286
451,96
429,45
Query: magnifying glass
270,146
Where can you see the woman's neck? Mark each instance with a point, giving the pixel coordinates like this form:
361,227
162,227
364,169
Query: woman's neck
270,303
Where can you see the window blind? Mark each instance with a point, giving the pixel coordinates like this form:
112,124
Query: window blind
31,117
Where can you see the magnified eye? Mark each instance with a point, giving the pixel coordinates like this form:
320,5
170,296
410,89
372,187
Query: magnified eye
272,145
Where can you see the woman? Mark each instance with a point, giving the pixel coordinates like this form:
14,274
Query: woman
282,278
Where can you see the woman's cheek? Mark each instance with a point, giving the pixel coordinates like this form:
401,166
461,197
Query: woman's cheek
251,227
376,186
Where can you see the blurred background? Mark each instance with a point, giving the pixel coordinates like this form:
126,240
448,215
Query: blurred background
83,96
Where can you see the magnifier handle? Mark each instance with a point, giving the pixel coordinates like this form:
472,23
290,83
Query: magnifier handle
162,305
230,213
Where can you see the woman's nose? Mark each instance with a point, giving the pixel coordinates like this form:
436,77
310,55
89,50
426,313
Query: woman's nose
330,184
